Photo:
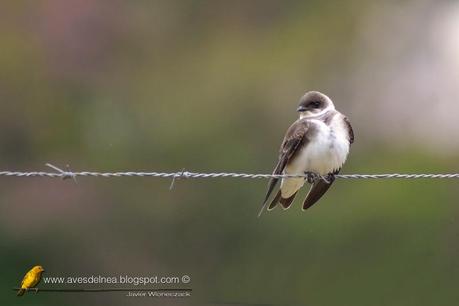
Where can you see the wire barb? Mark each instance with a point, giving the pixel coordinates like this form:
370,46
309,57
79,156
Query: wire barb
177,175
64,174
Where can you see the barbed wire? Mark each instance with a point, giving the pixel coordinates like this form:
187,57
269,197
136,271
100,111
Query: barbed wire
65,174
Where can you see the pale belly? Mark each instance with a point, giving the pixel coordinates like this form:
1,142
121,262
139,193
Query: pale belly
325,153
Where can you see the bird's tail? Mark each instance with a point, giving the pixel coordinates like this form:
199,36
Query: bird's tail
285,202
21,292
275,200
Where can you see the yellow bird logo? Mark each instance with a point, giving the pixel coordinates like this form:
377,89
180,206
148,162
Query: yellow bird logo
31,279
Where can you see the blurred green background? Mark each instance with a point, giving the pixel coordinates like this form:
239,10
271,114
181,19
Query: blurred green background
212,86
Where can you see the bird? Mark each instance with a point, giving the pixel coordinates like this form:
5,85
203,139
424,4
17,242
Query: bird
31,279
315,146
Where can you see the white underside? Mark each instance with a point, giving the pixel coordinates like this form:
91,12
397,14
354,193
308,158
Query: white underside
325,153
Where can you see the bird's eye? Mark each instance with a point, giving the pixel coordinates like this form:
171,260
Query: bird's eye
314,104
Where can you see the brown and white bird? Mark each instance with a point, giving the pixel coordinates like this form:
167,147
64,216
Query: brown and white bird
317,144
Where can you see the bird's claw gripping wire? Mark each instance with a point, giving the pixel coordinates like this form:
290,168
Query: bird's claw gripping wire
312,177
329,178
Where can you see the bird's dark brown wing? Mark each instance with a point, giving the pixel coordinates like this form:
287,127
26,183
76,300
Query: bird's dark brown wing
317,190
294,139
349,130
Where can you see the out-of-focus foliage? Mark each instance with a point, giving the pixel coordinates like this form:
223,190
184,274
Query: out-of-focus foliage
212,86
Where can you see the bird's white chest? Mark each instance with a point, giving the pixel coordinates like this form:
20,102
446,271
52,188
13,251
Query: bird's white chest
325,152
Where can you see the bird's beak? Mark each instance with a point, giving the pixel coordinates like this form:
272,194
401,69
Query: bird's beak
301,109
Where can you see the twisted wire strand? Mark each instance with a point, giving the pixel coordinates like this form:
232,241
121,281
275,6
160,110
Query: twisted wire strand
65,174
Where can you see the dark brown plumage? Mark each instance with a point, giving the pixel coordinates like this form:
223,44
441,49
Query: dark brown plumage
295,137
317,190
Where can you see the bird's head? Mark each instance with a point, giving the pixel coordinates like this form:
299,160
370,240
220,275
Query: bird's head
314,103
38,269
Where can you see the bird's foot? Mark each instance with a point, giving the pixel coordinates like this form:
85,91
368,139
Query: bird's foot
311,177
329,178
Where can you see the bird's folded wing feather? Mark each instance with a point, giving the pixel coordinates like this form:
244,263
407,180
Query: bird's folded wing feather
349,130
295,136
